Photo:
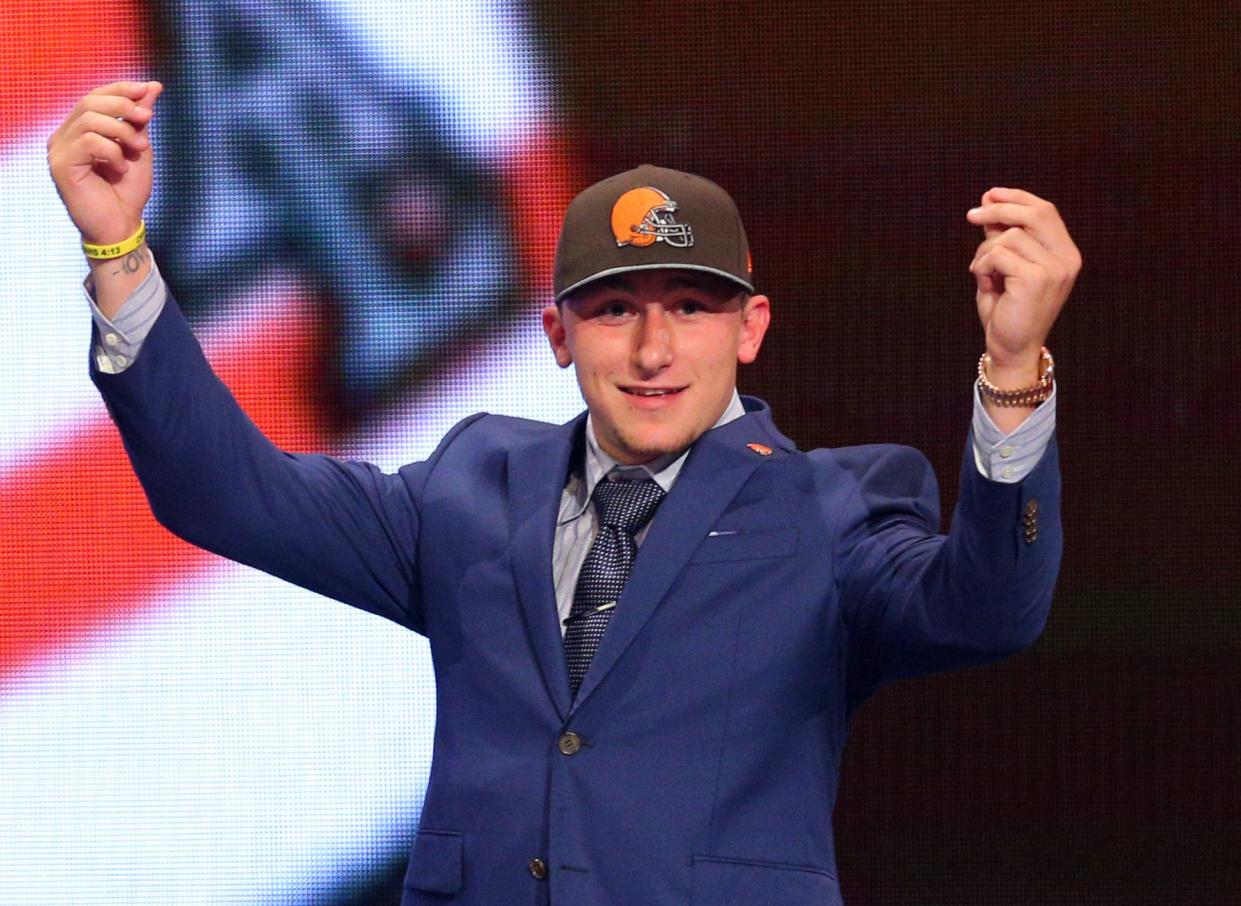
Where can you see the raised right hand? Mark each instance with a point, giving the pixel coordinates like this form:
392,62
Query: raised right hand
101,160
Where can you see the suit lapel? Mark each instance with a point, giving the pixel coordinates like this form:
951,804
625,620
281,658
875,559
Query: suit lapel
536,477
714,473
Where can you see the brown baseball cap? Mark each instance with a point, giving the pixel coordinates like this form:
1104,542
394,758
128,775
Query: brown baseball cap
650,217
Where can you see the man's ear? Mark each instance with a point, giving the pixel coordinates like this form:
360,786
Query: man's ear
553,326
755,318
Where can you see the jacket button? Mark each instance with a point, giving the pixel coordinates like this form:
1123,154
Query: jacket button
538,869
1031,507
569,743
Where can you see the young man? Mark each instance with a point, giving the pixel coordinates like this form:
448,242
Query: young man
650,625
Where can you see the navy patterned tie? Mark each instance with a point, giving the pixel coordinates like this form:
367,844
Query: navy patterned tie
622,507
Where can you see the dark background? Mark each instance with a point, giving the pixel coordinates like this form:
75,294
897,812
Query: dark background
1102,765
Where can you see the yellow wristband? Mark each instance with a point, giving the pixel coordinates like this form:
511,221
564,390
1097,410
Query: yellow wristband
120,249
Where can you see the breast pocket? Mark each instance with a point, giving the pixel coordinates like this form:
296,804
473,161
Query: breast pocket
740,882
724,545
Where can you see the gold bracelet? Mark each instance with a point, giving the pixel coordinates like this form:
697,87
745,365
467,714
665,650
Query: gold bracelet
120,249
1022,396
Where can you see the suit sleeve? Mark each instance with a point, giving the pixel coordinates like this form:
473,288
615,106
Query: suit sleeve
915,601
342,529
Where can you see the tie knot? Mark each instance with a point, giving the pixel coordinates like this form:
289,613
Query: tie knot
626,505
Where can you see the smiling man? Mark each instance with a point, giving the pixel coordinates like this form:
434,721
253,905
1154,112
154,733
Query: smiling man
649,625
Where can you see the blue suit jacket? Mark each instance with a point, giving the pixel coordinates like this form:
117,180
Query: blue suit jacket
770,597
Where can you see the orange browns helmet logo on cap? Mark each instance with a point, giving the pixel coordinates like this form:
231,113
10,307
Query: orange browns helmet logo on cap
644,216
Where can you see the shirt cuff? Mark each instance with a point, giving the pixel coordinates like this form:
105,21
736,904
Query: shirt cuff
121,337
1010,458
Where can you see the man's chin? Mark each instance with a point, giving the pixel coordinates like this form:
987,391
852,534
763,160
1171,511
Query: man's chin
640,449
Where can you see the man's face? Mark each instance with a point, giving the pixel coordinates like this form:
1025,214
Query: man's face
656,355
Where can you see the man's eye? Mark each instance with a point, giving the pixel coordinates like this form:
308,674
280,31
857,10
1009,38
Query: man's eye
691,307
615,310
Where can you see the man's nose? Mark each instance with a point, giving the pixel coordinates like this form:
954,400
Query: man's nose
654,346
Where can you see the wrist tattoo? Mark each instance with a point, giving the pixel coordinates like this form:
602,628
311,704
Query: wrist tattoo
131,262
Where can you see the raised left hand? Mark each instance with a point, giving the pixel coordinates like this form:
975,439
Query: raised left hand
1024,268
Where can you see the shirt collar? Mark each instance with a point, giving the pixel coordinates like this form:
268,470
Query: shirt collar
663,470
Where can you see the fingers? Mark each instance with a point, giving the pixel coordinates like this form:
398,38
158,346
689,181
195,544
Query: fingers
1015,207
130,105
125,96
105,129
1015,253
1007,214
131,90
1016,196
1014,238
110,127
1018,215
989,229
1004,261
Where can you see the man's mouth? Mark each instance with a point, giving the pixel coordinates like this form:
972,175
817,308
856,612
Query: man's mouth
651,391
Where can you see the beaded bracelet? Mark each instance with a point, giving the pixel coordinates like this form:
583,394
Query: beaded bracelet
1022,396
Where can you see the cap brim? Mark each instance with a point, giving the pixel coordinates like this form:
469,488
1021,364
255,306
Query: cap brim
732,278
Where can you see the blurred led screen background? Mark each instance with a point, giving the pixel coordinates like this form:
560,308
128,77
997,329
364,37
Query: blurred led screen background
357,203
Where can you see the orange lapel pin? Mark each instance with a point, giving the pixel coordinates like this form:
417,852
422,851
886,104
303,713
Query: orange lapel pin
760,449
